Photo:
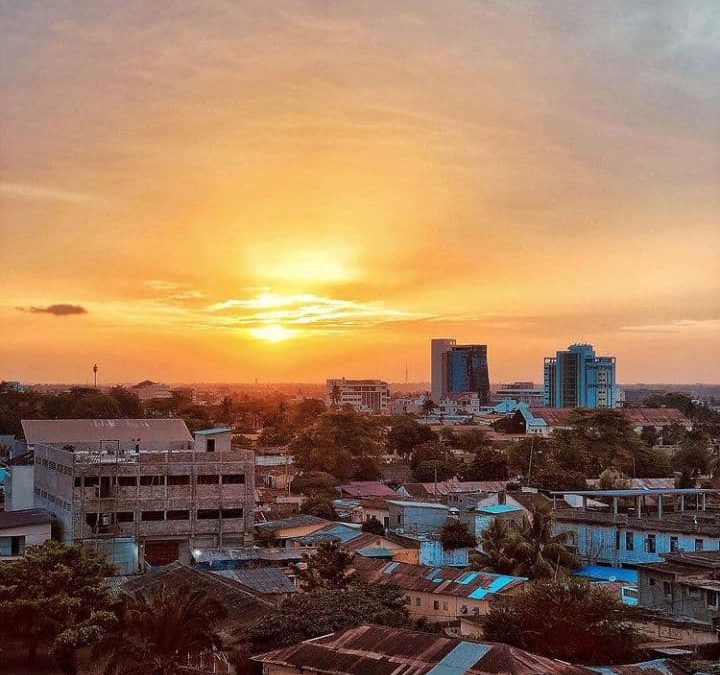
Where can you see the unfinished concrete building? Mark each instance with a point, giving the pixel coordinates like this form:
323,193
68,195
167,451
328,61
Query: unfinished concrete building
143,491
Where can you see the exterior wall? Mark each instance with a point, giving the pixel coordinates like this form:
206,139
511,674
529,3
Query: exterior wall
34,535
417,518
438,375
576,378
383,515
19,488
286,537
437,607
365,396
680,601
223,441
105,500
467,370
597,543
433,554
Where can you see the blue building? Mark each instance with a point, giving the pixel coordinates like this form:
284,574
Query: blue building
576,378
466,369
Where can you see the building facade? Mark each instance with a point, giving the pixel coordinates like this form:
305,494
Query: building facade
438,376
144,493
577,378
365,396
521,392
466,370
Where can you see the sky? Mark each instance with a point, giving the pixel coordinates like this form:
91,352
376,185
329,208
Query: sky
214,190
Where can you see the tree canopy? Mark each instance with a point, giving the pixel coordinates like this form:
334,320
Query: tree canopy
454,535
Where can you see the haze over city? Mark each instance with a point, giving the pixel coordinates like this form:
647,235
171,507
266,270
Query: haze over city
292,191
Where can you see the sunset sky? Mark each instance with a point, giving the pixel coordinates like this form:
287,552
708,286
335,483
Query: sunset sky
222,191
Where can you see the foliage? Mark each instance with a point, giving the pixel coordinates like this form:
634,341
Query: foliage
306,411
434,469
320,507
553,476
612,479
488,464
427,408
156,632
498,545
568,620
650,436
455,534
303,616
693,456
55,595
373,526
129,402
327,568
472,440
405,433
315,483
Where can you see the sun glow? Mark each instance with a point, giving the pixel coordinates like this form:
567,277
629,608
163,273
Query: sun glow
272,333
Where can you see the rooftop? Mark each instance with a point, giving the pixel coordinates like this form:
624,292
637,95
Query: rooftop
422,505
498,508
94,431
212,432
368,488
341,532
637,417
24,518
602,573
638,492
301,520
262,580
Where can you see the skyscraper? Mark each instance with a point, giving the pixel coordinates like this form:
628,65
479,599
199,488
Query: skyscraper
466,369
438,378
576,378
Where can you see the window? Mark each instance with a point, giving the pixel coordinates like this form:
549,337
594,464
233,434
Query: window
445,606
693,593
124,516
629,541
178,515
232,513
208,514
152,480
210,447
711,598
92,481
152,515
617,540
417,601
698,544
673,544
667,589
652,581
233,478
650,543
208,479
127,481
178,480
436,604
78,481
12,546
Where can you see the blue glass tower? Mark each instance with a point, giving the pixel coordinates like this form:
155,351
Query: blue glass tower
466,369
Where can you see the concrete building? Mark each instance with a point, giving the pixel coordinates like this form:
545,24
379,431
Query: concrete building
417,517
684,585
438,375
521,392
19,487
141,490
576,378
627,528
365,396
20,529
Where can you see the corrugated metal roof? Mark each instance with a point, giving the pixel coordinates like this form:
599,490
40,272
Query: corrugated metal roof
498,508
607,573
216,430
419,505
368,489
24,518
94,431
293,521
264,580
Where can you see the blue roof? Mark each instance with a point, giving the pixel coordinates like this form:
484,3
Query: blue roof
499,508
463,657
607,573
374,552
216,430
342,532
495,586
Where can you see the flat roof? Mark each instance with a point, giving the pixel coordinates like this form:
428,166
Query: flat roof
637,492
94,431
216,430
429,505
24,518
602,573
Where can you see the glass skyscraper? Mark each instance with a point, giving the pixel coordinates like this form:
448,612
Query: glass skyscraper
466,369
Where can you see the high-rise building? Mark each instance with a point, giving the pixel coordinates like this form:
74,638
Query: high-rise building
522,392
466,369
576,378
438,377
365,396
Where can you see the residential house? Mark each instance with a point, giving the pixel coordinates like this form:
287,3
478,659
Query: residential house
448,490
271,583
20,529
417,517
366,489
287,532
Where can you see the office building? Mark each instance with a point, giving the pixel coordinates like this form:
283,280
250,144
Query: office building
576,378
466,369
438,376
521,392
365,396
145,492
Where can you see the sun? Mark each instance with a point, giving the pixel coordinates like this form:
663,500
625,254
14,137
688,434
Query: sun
272,333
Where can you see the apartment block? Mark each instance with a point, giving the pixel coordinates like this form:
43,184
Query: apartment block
365,396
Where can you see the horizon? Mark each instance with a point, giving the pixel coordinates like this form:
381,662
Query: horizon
182,197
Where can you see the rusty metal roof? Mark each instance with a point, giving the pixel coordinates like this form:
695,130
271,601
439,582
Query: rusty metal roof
95,431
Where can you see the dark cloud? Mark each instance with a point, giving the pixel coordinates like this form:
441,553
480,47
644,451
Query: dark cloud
55,310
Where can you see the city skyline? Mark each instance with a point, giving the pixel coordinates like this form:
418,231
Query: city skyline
294,191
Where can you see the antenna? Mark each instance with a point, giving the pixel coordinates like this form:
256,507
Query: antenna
406,373
95,369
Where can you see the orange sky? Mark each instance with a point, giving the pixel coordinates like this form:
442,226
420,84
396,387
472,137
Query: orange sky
301,190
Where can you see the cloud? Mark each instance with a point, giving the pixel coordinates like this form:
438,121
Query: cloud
26,191
55,310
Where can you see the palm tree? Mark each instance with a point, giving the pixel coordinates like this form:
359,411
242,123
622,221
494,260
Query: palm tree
541,553
161,632
427,407
335,395
498,544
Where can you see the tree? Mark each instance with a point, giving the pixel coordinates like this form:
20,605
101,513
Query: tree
540,553
427,408
306,411
314,483
158,632
373,526
434,469
472,440
553,476
56,595
405,433
327,568
488,464
129,402
498,547
454,535
650,436
694,454
225,412
320,507
569,620
303,616
612,479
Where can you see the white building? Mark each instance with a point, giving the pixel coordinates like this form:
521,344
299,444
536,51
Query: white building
365,396
438,376
522,392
